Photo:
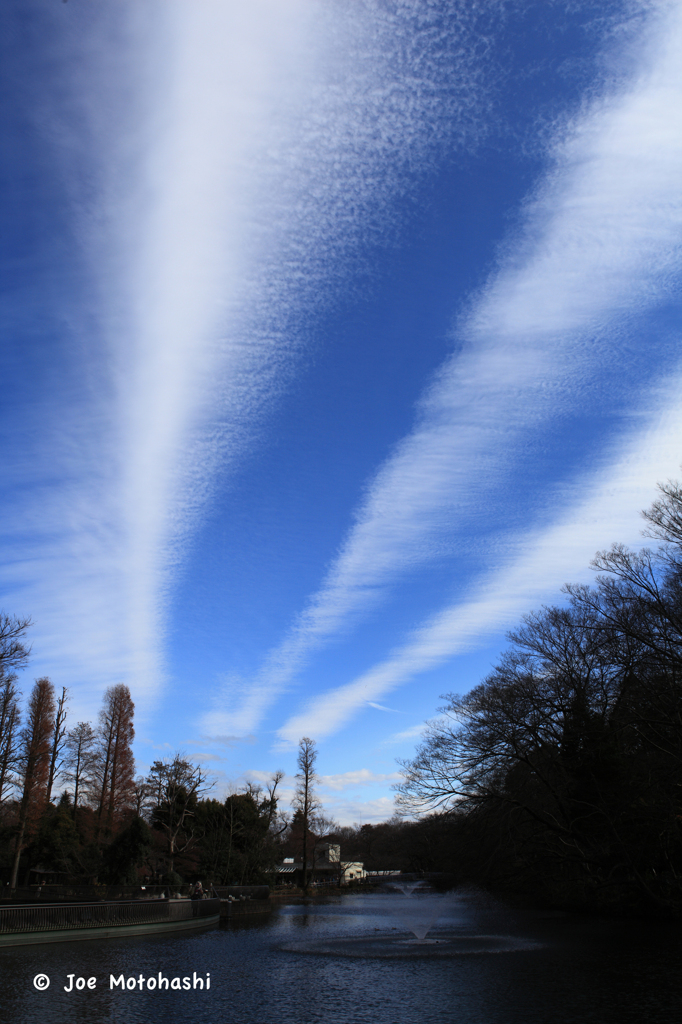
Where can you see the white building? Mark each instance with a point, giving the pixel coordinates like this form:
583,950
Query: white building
326,866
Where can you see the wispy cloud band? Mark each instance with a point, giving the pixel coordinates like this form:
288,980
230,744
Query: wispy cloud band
600,245
604,509
225,165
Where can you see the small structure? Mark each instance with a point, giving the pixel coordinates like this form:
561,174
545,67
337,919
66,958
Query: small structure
353,871
46,876
326,867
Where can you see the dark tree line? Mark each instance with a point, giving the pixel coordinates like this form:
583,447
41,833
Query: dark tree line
109,826
561,774
37,752
192,836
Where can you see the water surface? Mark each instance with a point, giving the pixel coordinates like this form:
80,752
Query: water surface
541,968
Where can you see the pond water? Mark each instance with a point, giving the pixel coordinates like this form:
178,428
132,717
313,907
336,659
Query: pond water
353,959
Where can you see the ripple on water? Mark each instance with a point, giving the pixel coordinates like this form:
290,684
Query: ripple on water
384,946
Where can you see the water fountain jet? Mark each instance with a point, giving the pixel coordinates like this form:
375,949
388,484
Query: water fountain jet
418,914
421,914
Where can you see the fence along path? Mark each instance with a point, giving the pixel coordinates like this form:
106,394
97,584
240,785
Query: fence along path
61,917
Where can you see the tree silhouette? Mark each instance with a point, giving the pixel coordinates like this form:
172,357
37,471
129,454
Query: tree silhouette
114,766
33,761
305,801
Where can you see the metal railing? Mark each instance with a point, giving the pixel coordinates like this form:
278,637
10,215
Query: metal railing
59,917
87,893
92,893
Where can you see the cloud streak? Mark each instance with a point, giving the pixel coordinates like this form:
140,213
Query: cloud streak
599,246
362,777
225,167
539,563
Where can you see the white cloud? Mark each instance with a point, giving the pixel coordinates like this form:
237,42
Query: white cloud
224,161
413,733
539,564
340,793
600,244
224,740
255,775
361,777
203,758
360,812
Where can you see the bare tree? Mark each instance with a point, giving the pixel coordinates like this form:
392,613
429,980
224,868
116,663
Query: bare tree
177,785
274,824
13,651
143,794
58,741
305,800
34,759
9,727
665,515
79,761
114,765
570,752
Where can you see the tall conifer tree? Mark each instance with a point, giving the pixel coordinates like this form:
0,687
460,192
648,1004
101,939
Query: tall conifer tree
34,760
9,731
58,740
114,763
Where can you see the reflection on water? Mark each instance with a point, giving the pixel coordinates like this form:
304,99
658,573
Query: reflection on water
511,967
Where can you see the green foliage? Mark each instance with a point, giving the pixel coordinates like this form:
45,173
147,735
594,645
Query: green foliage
56,845
127,852
177,785
237,847
7,836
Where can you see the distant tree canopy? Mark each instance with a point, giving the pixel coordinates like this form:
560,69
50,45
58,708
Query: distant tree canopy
108,825
306,804
559,776
239,845
10,718
176,785
562,771
33,763
114,765
127,852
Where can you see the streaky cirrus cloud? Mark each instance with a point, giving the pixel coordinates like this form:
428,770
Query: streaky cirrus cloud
413,733
362,777
599,247
348,796
224,164
356,811
604,510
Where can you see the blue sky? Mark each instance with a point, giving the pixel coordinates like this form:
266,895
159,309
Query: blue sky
336,336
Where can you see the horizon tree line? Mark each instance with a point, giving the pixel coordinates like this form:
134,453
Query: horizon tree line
561,773
35,755
109,822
